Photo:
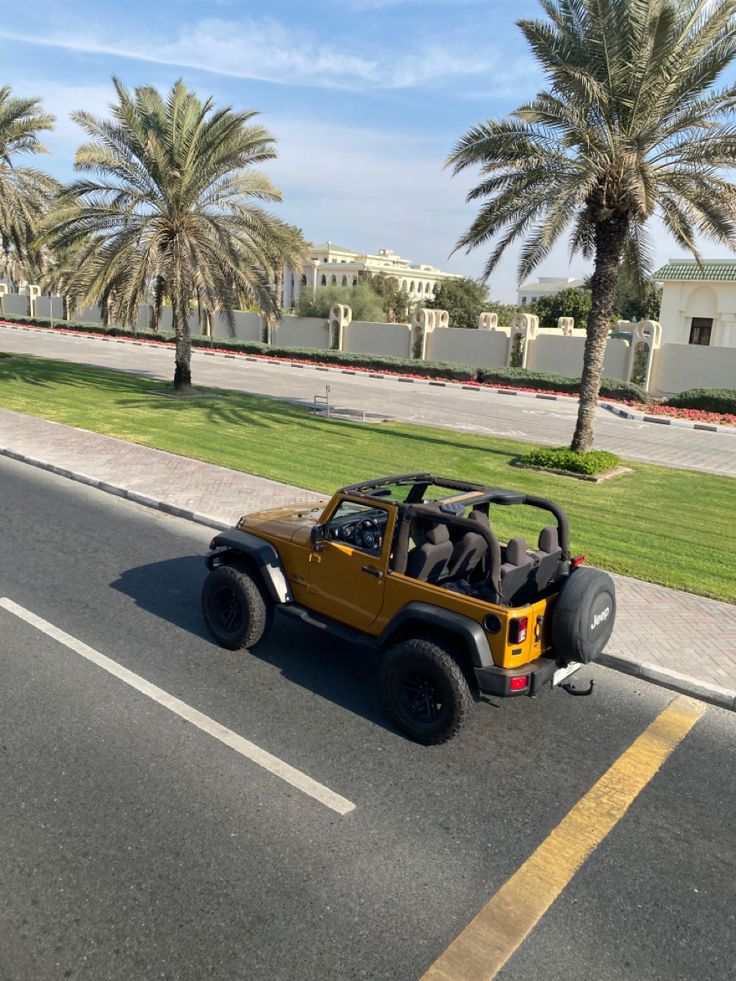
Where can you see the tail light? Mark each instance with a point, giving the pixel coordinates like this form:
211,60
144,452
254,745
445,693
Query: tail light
577,560
518,630
519,684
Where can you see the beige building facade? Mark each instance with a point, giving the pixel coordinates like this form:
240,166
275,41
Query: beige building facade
529,293
698,303
332,265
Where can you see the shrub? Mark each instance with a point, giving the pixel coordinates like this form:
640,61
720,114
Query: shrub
706,399
568,461
427,369
546,381
362,299
80,328
571,302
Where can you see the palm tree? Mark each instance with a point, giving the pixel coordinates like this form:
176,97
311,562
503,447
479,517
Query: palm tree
25,192
629,125
171,206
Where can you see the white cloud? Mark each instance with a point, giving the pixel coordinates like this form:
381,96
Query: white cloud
268,51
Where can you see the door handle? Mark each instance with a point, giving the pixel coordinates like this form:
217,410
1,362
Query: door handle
372,571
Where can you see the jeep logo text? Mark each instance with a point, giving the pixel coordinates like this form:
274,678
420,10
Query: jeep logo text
600,618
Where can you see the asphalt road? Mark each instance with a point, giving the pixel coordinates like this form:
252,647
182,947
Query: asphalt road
521,417
133,845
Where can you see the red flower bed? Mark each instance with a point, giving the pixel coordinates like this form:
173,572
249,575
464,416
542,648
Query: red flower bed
694,415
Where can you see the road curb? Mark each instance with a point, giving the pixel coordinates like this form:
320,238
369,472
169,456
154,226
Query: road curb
665,420
149,502
673,680
490,389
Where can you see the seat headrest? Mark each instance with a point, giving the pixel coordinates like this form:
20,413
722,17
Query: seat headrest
480,517
549,540
516,551
436,534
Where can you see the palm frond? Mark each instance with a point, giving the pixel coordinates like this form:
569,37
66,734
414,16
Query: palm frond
629,124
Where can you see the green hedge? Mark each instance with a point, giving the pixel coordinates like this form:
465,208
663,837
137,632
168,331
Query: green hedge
568,461
707,399
431,369
546,381
88,328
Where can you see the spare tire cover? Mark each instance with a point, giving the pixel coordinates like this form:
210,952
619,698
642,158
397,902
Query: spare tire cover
584,614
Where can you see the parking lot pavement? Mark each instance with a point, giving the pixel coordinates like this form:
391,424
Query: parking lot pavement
524,418
662,635
134,844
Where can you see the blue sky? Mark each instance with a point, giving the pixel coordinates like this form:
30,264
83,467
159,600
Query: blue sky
365,97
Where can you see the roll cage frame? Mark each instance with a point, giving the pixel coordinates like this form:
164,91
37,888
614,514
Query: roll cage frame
476,496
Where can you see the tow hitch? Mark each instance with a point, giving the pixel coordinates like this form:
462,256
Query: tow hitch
572,690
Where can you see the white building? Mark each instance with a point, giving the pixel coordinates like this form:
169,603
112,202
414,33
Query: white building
332,265
698,304
545,286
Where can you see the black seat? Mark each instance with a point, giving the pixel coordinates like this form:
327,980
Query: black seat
516,568
430,560
469,550
547,555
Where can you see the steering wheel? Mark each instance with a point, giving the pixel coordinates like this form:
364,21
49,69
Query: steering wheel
367,535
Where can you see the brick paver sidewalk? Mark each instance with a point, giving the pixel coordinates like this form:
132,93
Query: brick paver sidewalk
662,635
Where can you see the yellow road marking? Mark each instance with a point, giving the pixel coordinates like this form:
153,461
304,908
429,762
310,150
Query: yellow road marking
490,939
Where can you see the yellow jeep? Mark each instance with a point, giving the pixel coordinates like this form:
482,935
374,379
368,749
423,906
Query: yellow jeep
411,566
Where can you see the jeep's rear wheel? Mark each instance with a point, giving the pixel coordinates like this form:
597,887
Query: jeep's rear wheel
425,691
236,608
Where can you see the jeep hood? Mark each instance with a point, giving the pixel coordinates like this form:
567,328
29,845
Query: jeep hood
284,521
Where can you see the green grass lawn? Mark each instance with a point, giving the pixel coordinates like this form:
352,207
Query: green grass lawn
675,527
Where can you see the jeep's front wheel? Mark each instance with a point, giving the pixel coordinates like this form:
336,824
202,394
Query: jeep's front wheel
425,691
236,608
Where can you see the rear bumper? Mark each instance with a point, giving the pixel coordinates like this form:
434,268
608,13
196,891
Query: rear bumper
497,681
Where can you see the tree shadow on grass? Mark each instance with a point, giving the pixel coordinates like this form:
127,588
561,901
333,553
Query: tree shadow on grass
43,372
348,676
241,410
221,407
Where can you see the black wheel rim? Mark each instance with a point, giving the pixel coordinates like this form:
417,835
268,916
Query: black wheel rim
227,609
421,698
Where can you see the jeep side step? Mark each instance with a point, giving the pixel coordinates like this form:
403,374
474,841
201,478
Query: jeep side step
326,625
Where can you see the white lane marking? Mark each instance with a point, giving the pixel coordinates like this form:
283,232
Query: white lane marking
243,746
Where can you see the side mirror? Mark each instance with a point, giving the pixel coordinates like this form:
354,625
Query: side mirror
318,537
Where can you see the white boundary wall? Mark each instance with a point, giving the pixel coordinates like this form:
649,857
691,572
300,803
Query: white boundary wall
15,304
563,355
302,332
248,327
50,306
462,345
678,367
391,340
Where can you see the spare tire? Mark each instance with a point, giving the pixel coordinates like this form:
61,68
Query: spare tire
583,616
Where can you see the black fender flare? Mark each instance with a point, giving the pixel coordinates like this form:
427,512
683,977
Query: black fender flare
262,553
470,631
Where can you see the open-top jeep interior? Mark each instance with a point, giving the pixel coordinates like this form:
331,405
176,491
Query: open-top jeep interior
445,536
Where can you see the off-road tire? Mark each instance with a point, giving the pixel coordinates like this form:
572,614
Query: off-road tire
584,614
442,702
236,608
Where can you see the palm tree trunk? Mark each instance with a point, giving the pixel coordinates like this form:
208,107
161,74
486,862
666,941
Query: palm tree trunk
182,371
610,240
